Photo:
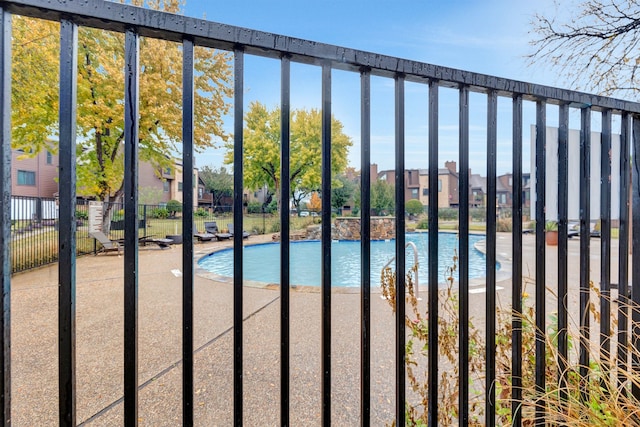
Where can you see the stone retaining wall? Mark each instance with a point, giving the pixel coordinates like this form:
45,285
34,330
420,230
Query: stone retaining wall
348,228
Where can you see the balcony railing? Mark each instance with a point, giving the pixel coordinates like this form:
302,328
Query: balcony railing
190,32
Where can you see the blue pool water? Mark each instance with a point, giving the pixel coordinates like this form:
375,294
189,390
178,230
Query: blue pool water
262,262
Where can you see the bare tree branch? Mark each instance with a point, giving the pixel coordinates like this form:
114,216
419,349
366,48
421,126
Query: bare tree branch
597,50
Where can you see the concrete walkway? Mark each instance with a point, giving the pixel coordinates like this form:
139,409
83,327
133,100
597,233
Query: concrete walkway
99,346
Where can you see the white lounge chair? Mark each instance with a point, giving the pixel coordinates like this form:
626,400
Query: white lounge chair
107,244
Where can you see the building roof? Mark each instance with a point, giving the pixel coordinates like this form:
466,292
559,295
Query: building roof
478,182
500,188
441,171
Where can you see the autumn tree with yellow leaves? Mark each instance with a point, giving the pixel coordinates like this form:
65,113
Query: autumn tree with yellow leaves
315,203
261,158
100,99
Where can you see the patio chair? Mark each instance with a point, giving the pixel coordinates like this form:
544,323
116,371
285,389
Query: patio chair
203,237
107,244
212,228
245,235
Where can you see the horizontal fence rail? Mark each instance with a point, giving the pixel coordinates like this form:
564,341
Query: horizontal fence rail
38,231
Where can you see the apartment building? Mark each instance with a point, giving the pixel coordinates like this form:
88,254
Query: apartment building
169,180
34,176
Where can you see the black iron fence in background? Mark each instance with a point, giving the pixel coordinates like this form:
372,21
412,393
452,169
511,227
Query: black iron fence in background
35,231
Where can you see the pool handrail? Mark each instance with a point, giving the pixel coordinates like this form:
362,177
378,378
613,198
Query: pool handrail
415,262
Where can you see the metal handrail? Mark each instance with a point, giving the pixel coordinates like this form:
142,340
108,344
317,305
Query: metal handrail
415,260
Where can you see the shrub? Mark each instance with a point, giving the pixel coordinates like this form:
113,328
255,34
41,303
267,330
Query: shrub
478,214
504,225
423,224
82,214
200,212
118,215
174,206
272,207
254,207
448,214
414,207
159,213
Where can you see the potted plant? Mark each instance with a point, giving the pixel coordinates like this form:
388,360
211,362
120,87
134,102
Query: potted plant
551,233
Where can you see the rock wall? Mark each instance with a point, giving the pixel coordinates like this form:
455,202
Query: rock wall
348,228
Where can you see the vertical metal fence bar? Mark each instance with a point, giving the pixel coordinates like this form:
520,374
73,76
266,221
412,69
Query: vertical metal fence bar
187,231
5,214
635,268
285,192
238,171
67,240
563,249
400,251
516,279
433,255
463,197
585,239
131,124
365,247
492,141
623,254
541,153
605,244
326,244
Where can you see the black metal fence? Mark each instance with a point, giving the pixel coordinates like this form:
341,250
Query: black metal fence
35,228
135,23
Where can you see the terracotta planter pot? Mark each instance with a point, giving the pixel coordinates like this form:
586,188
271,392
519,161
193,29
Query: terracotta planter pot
552,238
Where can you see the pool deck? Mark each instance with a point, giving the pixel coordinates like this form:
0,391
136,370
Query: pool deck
99,348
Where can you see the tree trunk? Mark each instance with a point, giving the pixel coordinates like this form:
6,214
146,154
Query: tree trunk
111,203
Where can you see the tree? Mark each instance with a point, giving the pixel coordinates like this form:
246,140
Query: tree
315,204
382,197
174,206
218,182
413,207
596,48
100,99
262,149
342,191
298,195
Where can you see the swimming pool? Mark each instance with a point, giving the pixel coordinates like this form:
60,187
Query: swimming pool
262,261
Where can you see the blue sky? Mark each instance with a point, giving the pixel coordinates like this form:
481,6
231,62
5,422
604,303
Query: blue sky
488,37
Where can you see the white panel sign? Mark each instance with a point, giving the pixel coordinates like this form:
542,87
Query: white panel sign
95,216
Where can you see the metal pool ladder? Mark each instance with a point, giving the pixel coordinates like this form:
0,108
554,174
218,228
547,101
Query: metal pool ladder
415,262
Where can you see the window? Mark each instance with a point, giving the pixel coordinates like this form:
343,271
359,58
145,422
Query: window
165,186
425,191
439,186
503,198
49,157
200,192
510,181
414,193
179,186
26,178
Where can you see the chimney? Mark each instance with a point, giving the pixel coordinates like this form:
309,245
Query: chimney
451,166
373,170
